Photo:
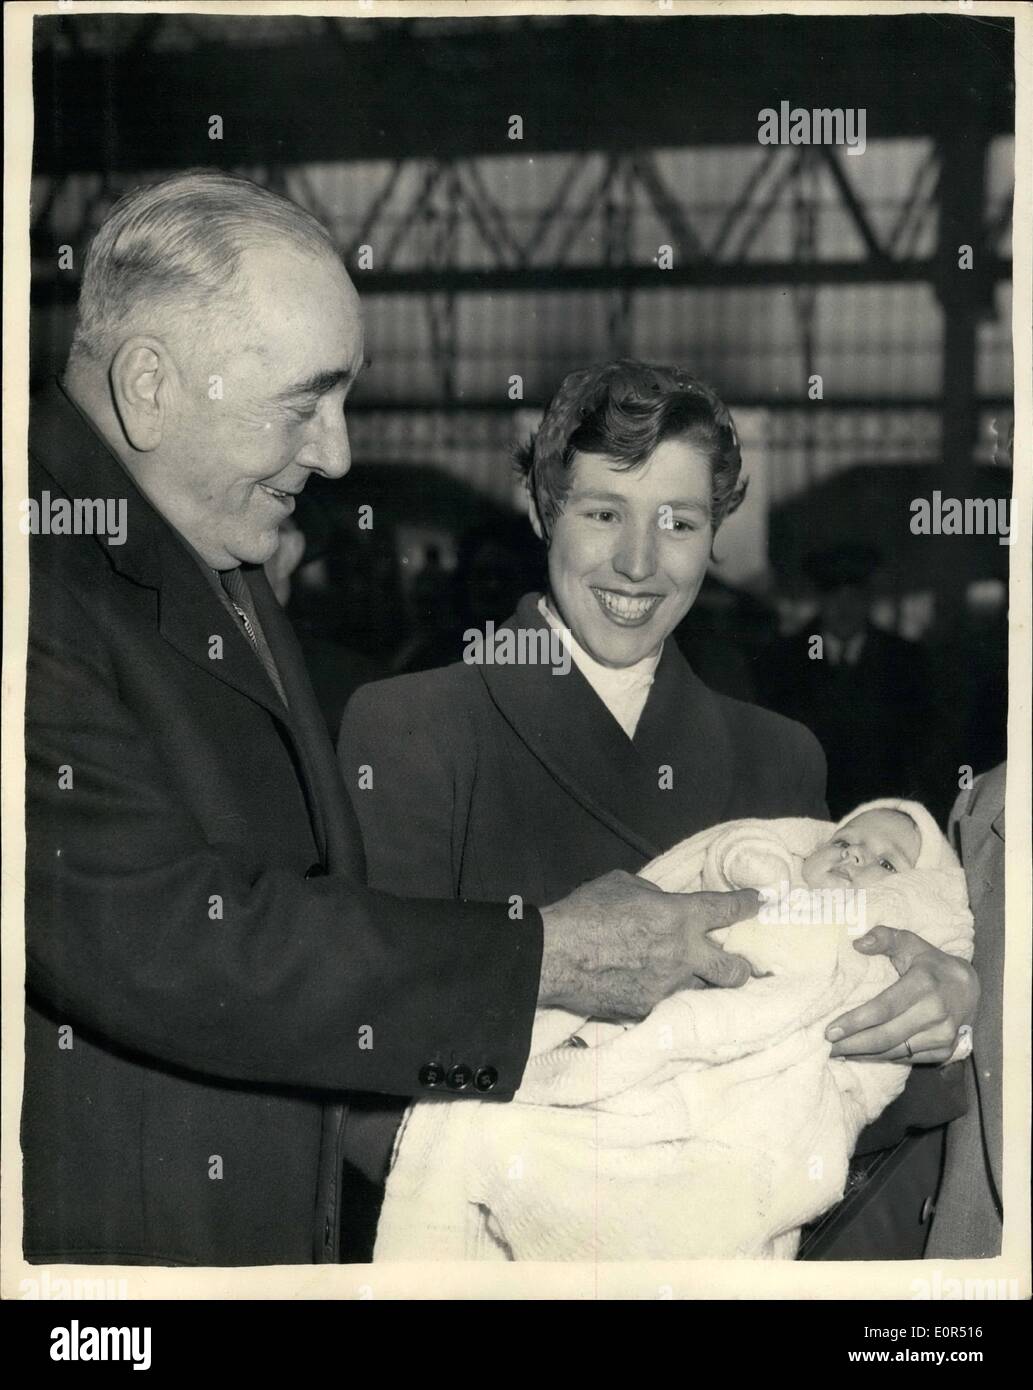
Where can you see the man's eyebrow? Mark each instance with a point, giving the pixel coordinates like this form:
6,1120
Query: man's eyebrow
321,382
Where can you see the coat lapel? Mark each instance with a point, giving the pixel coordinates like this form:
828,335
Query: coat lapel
190,613
334,821
981,835
682,728
621,782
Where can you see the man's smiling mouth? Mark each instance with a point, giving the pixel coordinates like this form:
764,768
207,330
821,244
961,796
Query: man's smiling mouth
627,610
286,499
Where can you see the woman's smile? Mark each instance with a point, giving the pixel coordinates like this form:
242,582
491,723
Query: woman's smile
624,609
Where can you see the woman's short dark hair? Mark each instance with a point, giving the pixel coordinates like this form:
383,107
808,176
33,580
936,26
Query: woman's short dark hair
624,410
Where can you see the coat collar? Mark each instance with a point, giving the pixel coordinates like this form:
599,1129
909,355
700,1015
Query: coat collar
68,445
983,819
570,731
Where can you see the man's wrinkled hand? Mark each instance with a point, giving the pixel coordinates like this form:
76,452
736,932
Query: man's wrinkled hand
917,1019
618,945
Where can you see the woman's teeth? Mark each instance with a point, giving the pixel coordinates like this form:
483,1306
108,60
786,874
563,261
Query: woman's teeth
624,607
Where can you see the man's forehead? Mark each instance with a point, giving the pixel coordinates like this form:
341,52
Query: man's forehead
303,319
280,279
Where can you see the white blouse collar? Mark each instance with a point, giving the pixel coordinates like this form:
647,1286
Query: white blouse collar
622,689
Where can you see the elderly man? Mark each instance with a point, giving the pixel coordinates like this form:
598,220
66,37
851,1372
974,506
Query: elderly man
208,979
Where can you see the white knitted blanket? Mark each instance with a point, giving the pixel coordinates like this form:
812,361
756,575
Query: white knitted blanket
716,1127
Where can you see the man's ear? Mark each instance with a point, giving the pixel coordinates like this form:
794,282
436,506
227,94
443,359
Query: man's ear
140,383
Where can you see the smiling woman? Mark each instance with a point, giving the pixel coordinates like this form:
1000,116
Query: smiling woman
632,472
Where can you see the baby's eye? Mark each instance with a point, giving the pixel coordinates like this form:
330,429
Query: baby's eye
839,844
886,864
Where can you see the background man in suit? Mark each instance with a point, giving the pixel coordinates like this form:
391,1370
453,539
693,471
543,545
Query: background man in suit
868,699
969,1214
207,977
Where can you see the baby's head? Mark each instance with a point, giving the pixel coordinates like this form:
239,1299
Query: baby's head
865,850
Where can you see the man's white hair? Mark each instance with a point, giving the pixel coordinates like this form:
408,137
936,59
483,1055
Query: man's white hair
174,247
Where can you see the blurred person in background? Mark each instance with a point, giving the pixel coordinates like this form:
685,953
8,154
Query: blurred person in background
335,669
866,694
497,563
969,1213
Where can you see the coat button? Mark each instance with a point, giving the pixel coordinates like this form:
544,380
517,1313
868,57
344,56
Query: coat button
928,1207
459,1077
486,1079
315,871
432,1074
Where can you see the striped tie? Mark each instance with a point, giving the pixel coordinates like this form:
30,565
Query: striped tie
239,596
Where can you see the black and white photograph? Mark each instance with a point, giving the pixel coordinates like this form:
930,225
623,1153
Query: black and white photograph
516,650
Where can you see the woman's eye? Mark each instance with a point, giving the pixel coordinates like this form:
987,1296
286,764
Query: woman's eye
603,516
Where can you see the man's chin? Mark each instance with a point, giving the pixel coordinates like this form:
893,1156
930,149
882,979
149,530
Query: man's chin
255,550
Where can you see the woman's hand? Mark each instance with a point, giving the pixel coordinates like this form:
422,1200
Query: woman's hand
917,1019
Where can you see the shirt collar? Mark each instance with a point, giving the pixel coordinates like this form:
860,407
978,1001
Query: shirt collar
622,689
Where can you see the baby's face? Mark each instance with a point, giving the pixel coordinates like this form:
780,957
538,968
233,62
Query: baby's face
866,850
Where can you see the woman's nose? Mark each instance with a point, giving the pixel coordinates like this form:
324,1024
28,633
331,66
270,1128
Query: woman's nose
636,555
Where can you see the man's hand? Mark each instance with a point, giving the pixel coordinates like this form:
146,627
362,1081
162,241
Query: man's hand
934,996
618,945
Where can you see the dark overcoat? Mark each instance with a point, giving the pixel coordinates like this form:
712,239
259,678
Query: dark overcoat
207,975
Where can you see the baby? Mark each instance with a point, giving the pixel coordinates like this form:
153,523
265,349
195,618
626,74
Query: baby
720,1125
865,850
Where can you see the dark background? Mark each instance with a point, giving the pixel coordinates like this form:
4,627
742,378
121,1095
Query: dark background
494,257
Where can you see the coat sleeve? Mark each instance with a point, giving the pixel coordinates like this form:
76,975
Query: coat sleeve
206,956
406,780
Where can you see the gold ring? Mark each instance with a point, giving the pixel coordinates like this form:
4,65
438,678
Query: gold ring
909,1052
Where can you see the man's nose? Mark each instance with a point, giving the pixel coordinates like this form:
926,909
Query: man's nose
331,453
636,553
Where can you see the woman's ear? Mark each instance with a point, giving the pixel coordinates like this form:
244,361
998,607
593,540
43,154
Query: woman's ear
140,379
533,516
